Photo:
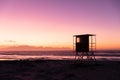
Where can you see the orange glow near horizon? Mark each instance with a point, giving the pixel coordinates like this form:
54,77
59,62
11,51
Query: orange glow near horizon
53,23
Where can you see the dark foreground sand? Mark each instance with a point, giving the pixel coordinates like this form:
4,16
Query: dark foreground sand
59,70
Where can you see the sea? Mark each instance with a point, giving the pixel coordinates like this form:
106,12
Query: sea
54,55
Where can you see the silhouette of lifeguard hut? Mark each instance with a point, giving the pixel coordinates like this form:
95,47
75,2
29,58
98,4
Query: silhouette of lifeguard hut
84,46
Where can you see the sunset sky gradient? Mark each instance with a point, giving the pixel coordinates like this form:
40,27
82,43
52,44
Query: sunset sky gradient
52,23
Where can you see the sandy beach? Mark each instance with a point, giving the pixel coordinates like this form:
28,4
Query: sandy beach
59,70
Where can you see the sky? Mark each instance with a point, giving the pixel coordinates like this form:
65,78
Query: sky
52,23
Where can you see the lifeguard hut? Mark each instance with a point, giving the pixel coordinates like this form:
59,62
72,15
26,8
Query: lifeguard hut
84,46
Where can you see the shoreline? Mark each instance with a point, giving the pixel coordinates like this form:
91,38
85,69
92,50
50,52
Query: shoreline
51,57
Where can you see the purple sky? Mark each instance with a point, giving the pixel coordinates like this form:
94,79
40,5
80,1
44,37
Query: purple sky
54,22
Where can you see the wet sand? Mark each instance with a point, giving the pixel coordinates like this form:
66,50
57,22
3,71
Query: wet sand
59,70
